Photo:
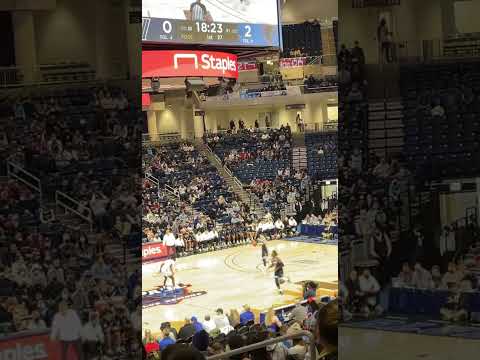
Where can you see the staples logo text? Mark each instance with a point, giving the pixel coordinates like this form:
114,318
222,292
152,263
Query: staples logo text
184,63
208,62
151,251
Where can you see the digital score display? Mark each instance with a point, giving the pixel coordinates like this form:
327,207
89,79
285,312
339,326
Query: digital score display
212,22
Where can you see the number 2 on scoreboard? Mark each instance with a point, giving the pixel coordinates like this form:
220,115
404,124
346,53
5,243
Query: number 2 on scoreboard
248,34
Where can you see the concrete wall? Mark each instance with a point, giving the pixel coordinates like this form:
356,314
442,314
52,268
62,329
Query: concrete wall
315,112
465,21
412,21
90,31
297,11
177,118
67,33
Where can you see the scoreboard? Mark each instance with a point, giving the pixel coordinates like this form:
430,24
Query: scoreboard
249,23
183,31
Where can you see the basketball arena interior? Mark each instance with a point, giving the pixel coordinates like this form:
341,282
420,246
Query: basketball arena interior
252,179
240,167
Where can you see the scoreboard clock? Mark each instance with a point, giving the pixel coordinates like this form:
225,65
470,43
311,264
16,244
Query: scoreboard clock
157,30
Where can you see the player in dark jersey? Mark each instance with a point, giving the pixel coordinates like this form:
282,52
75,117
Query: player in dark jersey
264,251
277,265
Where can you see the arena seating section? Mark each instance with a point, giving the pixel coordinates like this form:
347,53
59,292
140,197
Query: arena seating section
100,130
449,145
305,38
257,167
322,166
435,146
204,174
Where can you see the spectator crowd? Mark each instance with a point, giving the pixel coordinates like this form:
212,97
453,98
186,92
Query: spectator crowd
223,332
58,272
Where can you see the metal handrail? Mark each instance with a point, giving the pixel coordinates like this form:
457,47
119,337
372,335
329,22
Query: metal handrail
161,138
12,172
154,180
9,75
171,190
262,344
59,202
230,173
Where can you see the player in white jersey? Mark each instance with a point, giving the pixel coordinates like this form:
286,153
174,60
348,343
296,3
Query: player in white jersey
167,269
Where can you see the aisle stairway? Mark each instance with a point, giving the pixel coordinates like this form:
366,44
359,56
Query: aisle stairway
234,184
385,126
299,152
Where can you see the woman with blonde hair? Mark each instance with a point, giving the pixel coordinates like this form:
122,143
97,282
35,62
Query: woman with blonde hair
272,322
234,317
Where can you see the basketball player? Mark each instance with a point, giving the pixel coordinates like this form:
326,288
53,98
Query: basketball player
264,251
167,269
277,265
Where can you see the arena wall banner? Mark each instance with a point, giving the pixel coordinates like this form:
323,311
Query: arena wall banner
33,345
247,66
186,63
293,62
156,251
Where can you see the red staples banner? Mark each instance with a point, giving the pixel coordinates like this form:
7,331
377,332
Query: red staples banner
156,251
186,63
293,62
33,345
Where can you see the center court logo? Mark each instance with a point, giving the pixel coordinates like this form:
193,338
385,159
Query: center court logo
206,62
168,297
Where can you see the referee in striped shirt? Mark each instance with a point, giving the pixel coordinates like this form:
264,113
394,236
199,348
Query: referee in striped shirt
198,11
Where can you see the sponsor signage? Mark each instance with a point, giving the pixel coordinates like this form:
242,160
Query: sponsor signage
247,66
293,62
156,251
169,63
295,107
264,94
33,346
